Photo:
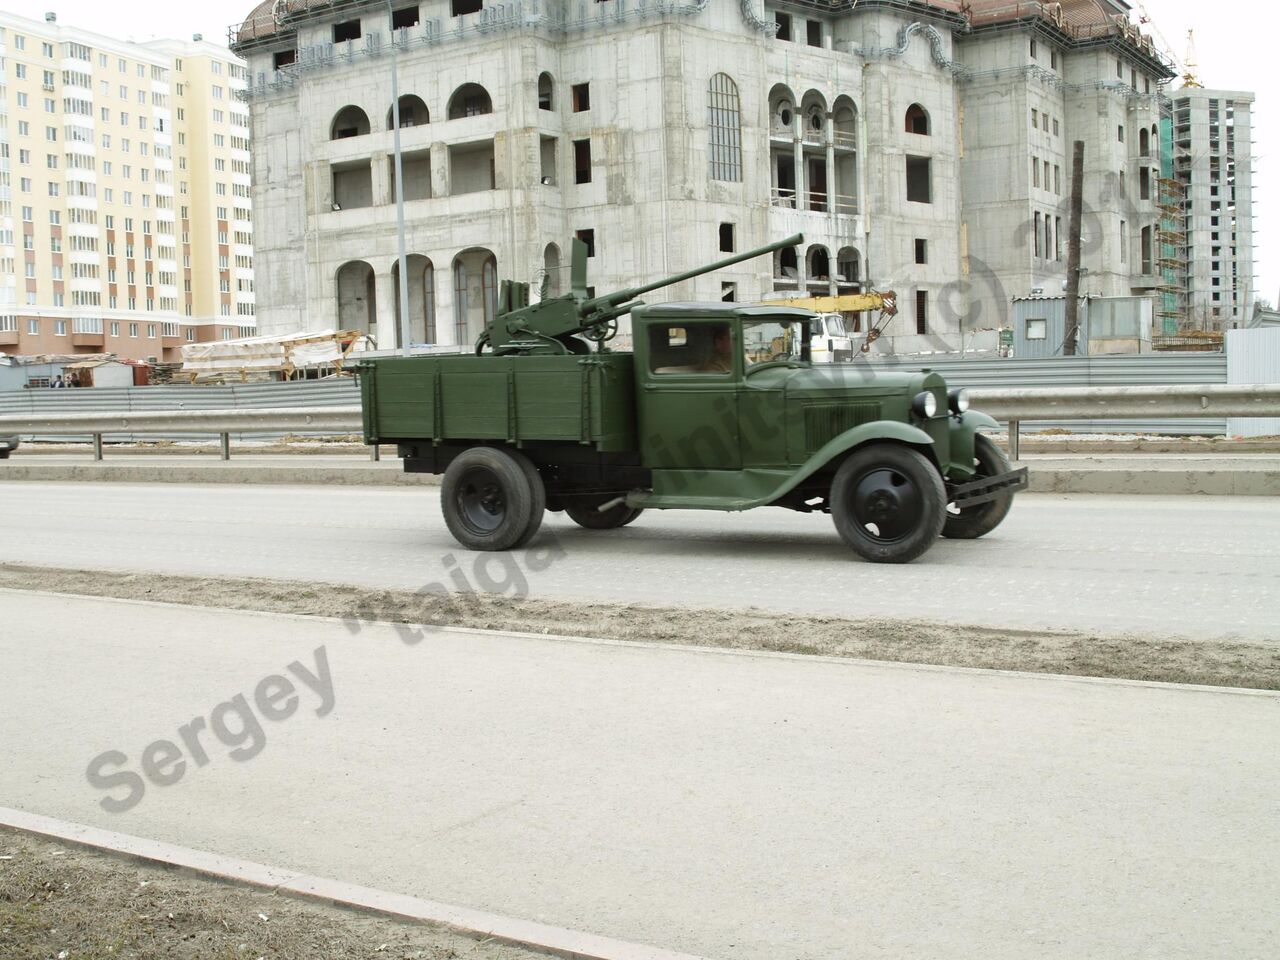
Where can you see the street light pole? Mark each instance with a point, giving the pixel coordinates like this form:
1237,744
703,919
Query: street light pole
403,311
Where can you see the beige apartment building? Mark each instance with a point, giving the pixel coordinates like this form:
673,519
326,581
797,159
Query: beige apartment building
125,215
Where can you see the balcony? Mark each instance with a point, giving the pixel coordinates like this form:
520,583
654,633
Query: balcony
88,339
8,338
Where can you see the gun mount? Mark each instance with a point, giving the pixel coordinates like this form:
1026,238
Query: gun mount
564,324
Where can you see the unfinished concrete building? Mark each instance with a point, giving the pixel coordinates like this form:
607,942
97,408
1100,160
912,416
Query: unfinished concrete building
1213,162
918,146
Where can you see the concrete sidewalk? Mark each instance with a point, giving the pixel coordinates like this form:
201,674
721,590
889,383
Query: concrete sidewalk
744,806
1256,474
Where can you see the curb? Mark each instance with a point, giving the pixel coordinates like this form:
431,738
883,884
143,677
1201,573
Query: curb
477,924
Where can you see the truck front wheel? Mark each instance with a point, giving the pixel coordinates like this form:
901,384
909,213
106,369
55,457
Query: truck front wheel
888,503
492,499
969,523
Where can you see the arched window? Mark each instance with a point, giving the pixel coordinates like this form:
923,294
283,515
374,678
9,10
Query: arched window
469,100
349,122
413,113
917,120
546,92
724,122
1144,143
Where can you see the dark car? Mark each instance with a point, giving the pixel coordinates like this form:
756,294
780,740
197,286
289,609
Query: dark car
7,446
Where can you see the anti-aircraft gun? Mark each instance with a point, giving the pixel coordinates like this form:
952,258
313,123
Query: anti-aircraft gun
565,324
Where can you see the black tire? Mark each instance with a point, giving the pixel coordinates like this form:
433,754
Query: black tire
888,503
586,513
492,499
976,521
4,454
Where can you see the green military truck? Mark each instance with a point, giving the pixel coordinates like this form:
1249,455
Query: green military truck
717,408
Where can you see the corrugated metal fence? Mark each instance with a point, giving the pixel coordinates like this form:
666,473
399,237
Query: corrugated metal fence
1146,370
1253,357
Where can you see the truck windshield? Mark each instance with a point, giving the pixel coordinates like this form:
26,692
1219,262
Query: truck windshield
767,340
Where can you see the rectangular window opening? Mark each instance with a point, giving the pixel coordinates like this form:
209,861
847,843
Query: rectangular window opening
589,238
814,31
726,238
783,23
922,250
346,30
922,312
919,187
404,17
282,58
581,97
462,7
582,161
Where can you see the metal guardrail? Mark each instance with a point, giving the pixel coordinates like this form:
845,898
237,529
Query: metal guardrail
1178,402
223,423
1013,405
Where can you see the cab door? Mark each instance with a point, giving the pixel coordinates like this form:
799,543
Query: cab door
687,400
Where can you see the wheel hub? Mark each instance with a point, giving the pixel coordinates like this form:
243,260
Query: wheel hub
887,504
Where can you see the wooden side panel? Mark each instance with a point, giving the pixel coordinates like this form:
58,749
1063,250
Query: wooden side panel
514,399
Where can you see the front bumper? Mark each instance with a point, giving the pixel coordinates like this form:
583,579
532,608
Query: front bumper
986,489
8,443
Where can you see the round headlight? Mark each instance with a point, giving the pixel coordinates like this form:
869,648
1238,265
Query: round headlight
958,400
925,404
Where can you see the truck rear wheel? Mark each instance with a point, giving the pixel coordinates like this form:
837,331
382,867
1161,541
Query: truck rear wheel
888,503
587,514
970,523
492,499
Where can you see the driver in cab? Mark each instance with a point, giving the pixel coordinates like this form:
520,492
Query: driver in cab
720,359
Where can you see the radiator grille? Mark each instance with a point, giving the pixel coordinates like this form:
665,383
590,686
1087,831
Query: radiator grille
827,421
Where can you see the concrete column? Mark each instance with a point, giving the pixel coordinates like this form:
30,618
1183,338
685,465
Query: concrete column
385,311
802,187
381,180
830,128
440,173
445,320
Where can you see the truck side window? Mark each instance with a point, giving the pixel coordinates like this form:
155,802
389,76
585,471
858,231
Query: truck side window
695,348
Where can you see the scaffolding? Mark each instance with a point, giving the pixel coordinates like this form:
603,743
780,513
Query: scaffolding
1171,238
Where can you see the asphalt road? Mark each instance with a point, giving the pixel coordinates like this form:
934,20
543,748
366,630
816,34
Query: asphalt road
1198,567
734,806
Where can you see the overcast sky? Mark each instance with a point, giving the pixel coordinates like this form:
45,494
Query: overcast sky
1234,46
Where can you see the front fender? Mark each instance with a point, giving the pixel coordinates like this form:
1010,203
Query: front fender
892,430
963,429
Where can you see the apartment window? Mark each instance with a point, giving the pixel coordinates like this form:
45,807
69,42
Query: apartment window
919,186
1057,238
1055,126
33,327
59,328
589,238
581,93
1033,49
133,330
922,312
782,23
917,120
1120,132
1035,119
922,250
726,238
1124,242
728,292
461,8
814,28
1035,243
1053,59
1057,179
1035,172
582,161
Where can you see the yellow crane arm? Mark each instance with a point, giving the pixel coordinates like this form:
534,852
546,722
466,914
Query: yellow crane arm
886,302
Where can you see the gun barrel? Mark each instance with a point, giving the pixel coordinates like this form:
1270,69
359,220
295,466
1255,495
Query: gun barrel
631,293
